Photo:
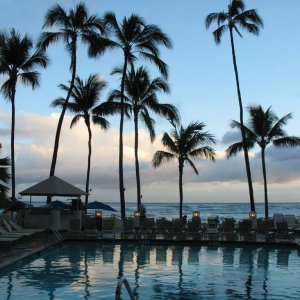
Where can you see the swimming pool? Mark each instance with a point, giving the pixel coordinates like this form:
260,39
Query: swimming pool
79,270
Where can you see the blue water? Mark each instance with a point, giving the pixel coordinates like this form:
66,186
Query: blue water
236,210
90,271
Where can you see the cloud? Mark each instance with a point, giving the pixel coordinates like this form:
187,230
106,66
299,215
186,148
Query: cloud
223,179
231,137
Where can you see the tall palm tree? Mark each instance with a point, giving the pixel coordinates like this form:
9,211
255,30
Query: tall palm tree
71,26
135,38
185,145
85,104
264,128
4,178
237,17
18,62
141,97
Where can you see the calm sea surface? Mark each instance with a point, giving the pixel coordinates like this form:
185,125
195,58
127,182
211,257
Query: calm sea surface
236,210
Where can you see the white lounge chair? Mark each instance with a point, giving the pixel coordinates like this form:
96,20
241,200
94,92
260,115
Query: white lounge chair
10,230
19,228
7,234
292,221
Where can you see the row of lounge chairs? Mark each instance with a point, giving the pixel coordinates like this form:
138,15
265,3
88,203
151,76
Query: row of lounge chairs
12,232
228,230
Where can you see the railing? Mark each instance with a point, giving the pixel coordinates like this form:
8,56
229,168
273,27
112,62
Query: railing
55,232
122,280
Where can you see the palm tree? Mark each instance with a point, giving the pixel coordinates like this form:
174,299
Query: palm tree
140,97
135,38
18,64
185,145
249,20
264,128
4,178
72,25
84,104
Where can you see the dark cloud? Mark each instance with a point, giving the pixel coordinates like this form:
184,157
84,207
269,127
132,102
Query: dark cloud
231,137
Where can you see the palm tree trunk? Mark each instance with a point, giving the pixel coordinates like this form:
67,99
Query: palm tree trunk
61,118
12,144
252,204
89,164
121,176
263,161
137,167
180,188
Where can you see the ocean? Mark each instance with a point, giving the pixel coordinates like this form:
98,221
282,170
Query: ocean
237,210
171,210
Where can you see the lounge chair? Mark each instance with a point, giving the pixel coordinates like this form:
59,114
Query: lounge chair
108,227
177,229
163,227
11,230
228,232
6,242
245,230
128,229
147,228
7,233
277,218
292,221
282,231
212,231
265,229
4,238
19,228
194,229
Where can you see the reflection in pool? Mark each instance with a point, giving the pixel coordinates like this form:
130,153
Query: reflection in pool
90,271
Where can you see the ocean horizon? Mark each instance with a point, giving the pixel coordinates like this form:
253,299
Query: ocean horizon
171,209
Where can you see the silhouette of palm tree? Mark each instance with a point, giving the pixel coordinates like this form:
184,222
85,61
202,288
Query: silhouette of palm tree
72,25
141,98
264,128
134,38
18,63
185,145
249,20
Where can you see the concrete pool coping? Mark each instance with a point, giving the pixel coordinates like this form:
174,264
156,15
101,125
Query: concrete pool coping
30,247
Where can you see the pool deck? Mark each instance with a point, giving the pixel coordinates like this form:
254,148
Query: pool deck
35,245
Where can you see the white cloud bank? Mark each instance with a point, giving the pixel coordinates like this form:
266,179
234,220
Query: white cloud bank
224,180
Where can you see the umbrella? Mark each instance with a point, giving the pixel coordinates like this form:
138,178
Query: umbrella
17,204
99,205
58,204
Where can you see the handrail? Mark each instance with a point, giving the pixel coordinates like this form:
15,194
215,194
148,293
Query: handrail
122,280
55,232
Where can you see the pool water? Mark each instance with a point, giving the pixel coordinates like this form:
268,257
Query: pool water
90,271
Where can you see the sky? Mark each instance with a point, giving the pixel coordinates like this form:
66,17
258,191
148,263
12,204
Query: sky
203,88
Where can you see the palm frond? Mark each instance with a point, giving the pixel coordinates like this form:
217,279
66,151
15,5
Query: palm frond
97,120
234,149
161,157
169,143
161,65
59,102
149,122
75,120
192,165
287,141
218,33
203,152
30,78
39,58
47,38
220,18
